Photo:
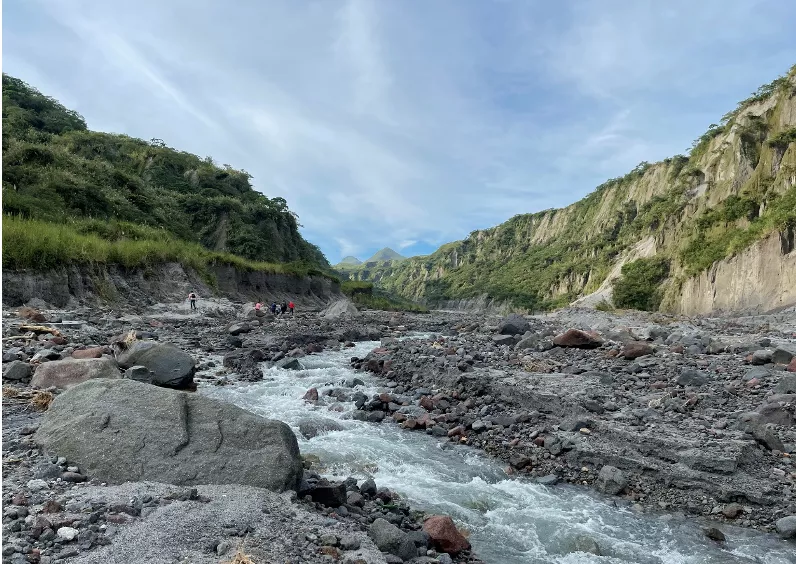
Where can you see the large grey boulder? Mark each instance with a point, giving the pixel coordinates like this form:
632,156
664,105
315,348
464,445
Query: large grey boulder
513,324
122,430
340,308
64,374
389,538
783,354
170,366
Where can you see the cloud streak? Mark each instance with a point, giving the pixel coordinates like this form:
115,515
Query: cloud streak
405,123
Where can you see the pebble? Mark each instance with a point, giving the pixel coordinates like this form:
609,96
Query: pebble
67,533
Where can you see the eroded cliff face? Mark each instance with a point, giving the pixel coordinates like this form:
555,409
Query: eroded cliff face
762,278
683,208
167,282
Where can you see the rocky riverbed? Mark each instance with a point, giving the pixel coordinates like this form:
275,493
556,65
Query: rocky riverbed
691,416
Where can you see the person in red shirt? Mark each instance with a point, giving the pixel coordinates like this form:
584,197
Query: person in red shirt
290,307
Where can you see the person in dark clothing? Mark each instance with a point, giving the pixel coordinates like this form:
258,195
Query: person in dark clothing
273,308
192,298
284,307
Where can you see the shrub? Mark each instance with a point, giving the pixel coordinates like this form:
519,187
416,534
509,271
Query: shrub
638,287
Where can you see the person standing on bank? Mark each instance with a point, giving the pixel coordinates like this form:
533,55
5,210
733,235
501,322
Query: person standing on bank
192,298
290,306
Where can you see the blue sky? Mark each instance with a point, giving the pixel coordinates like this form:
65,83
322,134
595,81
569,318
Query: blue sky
405,123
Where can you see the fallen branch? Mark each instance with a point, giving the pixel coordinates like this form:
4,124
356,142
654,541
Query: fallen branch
40,329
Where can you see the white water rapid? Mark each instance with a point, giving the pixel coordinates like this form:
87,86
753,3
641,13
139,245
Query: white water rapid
511,521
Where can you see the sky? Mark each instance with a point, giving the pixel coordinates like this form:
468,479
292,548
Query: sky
405,123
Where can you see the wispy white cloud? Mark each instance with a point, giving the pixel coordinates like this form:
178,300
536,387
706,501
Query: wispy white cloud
400,123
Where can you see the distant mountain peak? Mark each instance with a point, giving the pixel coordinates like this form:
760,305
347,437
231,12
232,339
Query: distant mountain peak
350,260
385,254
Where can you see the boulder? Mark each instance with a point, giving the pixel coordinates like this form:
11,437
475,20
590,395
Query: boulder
786,527
139,374
635,350
578,339
170,366
444,536
245,362
611,480
290,364
238,327
689,377
784,354
786,385
330,495
792,365
17,370
64,374
311,428
503,339
389,538
513,324
761,357
93,352
121,430
340,308
776,411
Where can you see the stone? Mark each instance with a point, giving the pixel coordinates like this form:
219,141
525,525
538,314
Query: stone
17,370
786,385
93,352
290,364
548,480
349,542
311,428
503,339
611,480
341,308
389,538
67,534
530,342
355,499
758,372
783,354
238,328
311,395
689,377
444,536
786,527
761,357
171,367
578,339
122,430
37,485
330,495
714,534
636,349
586,544
73,477
777,410
791,366
732,510
368,488
64,374
513,324
139,374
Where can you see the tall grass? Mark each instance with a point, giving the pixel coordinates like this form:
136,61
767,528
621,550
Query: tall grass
39,245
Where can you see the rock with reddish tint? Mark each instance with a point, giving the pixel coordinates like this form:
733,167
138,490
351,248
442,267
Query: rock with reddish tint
444,536
792,365
578,339
64,374
94,352
636,349
311,395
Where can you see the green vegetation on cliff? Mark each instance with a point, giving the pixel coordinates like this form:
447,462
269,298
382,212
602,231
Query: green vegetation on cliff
639,285
365,295
733,189
122,193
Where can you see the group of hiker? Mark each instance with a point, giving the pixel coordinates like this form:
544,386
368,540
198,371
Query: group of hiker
276,309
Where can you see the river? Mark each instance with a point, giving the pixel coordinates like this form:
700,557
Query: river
510,520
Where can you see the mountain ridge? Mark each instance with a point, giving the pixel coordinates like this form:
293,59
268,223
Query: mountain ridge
732,193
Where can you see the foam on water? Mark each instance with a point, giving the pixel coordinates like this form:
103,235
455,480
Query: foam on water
510,521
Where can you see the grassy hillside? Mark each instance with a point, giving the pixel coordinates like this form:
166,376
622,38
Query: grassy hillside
128,200
735,187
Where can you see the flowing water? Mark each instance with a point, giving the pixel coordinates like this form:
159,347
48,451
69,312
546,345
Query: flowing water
510,520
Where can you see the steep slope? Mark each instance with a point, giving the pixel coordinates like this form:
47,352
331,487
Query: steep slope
56,170
711,217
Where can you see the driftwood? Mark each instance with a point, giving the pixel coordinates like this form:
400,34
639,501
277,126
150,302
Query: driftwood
41,329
